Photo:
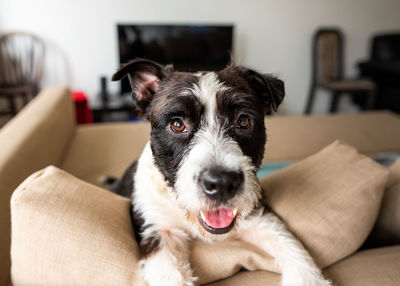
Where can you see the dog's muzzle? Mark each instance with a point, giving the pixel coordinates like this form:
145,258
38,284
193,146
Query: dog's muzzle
219,185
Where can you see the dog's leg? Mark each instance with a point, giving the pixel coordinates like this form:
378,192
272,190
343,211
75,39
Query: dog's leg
266,231
165,258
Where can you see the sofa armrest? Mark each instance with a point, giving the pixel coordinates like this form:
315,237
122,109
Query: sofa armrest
33,139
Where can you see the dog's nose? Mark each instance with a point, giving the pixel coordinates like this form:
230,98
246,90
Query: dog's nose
220,184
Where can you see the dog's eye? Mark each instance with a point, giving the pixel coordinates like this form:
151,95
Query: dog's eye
178,126
243,121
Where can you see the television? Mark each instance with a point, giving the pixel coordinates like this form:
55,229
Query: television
187,47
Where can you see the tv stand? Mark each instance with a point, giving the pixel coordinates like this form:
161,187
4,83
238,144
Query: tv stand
115,108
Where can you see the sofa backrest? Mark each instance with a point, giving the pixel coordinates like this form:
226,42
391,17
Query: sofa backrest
292,138
32,140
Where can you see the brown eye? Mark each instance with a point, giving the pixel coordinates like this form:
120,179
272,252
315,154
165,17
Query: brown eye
243,121
178,126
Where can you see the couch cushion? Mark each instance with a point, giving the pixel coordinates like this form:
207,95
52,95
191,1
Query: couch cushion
64,229
36,137
367,268
329,200
68,232
372,267
105,149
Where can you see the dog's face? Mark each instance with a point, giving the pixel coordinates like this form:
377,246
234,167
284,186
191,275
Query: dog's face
207,137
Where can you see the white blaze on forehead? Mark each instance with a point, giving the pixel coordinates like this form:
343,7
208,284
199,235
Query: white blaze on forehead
206,91
210,145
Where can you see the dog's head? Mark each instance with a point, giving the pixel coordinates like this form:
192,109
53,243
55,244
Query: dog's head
207,136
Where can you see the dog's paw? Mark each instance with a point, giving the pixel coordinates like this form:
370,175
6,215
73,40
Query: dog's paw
167,273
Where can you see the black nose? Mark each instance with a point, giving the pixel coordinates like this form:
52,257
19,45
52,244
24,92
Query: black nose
220,184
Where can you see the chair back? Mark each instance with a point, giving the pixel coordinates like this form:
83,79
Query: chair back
327,56
21,59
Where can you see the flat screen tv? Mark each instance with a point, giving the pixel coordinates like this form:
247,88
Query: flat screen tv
188,47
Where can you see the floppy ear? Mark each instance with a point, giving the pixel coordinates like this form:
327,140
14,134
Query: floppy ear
144,77
269,87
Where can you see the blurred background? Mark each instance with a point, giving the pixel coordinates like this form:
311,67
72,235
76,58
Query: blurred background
84,47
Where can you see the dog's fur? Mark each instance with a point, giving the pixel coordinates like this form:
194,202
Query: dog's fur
207,141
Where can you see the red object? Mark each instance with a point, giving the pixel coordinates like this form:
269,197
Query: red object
83,112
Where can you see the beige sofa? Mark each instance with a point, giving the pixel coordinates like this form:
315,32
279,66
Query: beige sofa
45,133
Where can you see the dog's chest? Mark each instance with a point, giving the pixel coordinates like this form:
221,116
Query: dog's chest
154,199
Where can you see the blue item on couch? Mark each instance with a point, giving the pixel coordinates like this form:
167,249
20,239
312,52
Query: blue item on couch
269,168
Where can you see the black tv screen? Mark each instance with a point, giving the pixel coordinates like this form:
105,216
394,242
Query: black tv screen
187,47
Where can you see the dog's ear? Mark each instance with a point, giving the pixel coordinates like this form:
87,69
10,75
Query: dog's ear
144,77
268,86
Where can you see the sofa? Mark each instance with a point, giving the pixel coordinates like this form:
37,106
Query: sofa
44,133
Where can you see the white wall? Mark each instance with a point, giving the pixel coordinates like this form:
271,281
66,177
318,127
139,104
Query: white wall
271,35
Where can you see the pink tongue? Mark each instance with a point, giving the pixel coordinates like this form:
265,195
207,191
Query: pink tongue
219,218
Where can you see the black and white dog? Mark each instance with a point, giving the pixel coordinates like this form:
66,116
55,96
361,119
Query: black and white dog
196,178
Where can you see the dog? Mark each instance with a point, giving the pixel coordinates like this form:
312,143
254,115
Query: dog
196,178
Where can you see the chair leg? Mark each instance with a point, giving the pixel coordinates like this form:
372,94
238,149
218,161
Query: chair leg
334,102
310,100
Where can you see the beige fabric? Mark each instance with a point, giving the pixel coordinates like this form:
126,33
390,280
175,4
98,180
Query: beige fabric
387,228
33,139
68,232
394,177
297,137
368,268
105,149
329,200
219,260
254,278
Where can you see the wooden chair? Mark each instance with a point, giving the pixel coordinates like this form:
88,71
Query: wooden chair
21,68
327,71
